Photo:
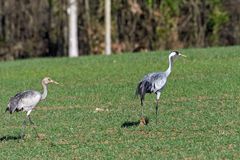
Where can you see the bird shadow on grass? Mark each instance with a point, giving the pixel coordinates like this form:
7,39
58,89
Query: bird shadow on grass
128,124
7,138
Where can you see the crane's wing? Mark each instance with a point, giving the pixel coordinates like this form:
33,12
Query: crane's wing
158,81
23,100
151,83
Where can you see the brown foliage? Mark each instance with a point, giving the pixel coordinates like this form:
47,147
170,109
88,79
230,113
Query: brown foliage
40,27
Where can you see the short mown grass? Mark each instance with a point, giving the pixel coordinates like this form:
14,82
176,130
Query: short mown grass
199,108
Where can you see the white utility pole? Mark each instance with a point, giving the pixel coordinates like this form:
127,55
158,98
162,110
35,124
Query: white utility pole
73,31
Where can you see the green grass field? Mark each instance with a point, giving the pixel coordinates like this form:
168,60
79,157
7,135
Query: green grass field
199,108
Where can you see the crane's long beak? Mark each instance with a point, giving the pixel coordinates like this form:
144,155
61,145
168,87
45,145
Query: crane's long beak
54,82
183,55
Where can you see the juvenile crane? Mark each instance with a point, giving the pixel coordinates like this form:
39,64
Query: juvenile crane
26,101
155,82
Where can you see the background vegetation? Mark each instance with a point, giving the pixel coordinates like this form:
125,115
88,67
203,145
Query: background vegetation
40,27
199,109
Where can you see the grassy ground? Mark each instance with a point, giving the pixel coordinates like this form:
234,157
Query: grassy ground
199,108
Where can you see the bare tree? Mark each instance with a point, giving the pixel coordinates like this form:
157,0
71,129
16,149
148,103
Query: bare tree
43,28
73,39
107,27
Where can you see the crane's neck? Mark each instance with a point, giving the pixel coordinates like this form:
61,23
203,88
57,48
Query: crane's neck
44,94
168,71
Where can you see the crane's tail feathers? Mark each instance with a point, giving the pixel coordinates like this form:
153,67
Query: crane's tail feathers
138,89
143,88
7,109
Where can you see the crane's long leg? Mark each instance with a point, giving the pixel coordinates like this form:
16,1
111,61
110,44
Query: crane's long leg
142,106
142,119
157,100
23,128
31,122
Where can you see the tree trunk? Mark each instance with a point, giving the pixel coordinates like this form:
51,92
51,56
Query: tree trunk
89,29
107,27
73,38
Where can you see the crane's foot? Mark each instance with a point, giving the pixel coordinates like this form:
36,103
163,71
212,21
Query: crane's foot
37,136
41,136
21,137
143,121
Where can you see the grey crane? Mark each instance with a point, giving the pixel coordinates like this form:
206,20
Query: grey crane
155,82
27,100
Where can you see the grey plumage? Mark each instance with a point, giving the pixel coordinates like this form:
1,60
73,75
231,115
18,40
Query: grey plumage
26,101
155,82
151,83
23,101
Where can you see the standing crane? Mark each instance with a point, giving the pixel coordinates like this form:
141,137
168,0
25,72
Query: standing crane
155,83
26,101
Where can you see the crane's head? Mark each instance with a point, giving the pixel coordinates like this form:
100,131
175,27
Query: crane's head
175,54
48,80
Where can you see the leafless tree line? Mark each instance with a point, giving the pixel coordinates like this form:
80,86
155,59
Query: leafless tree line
40,27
